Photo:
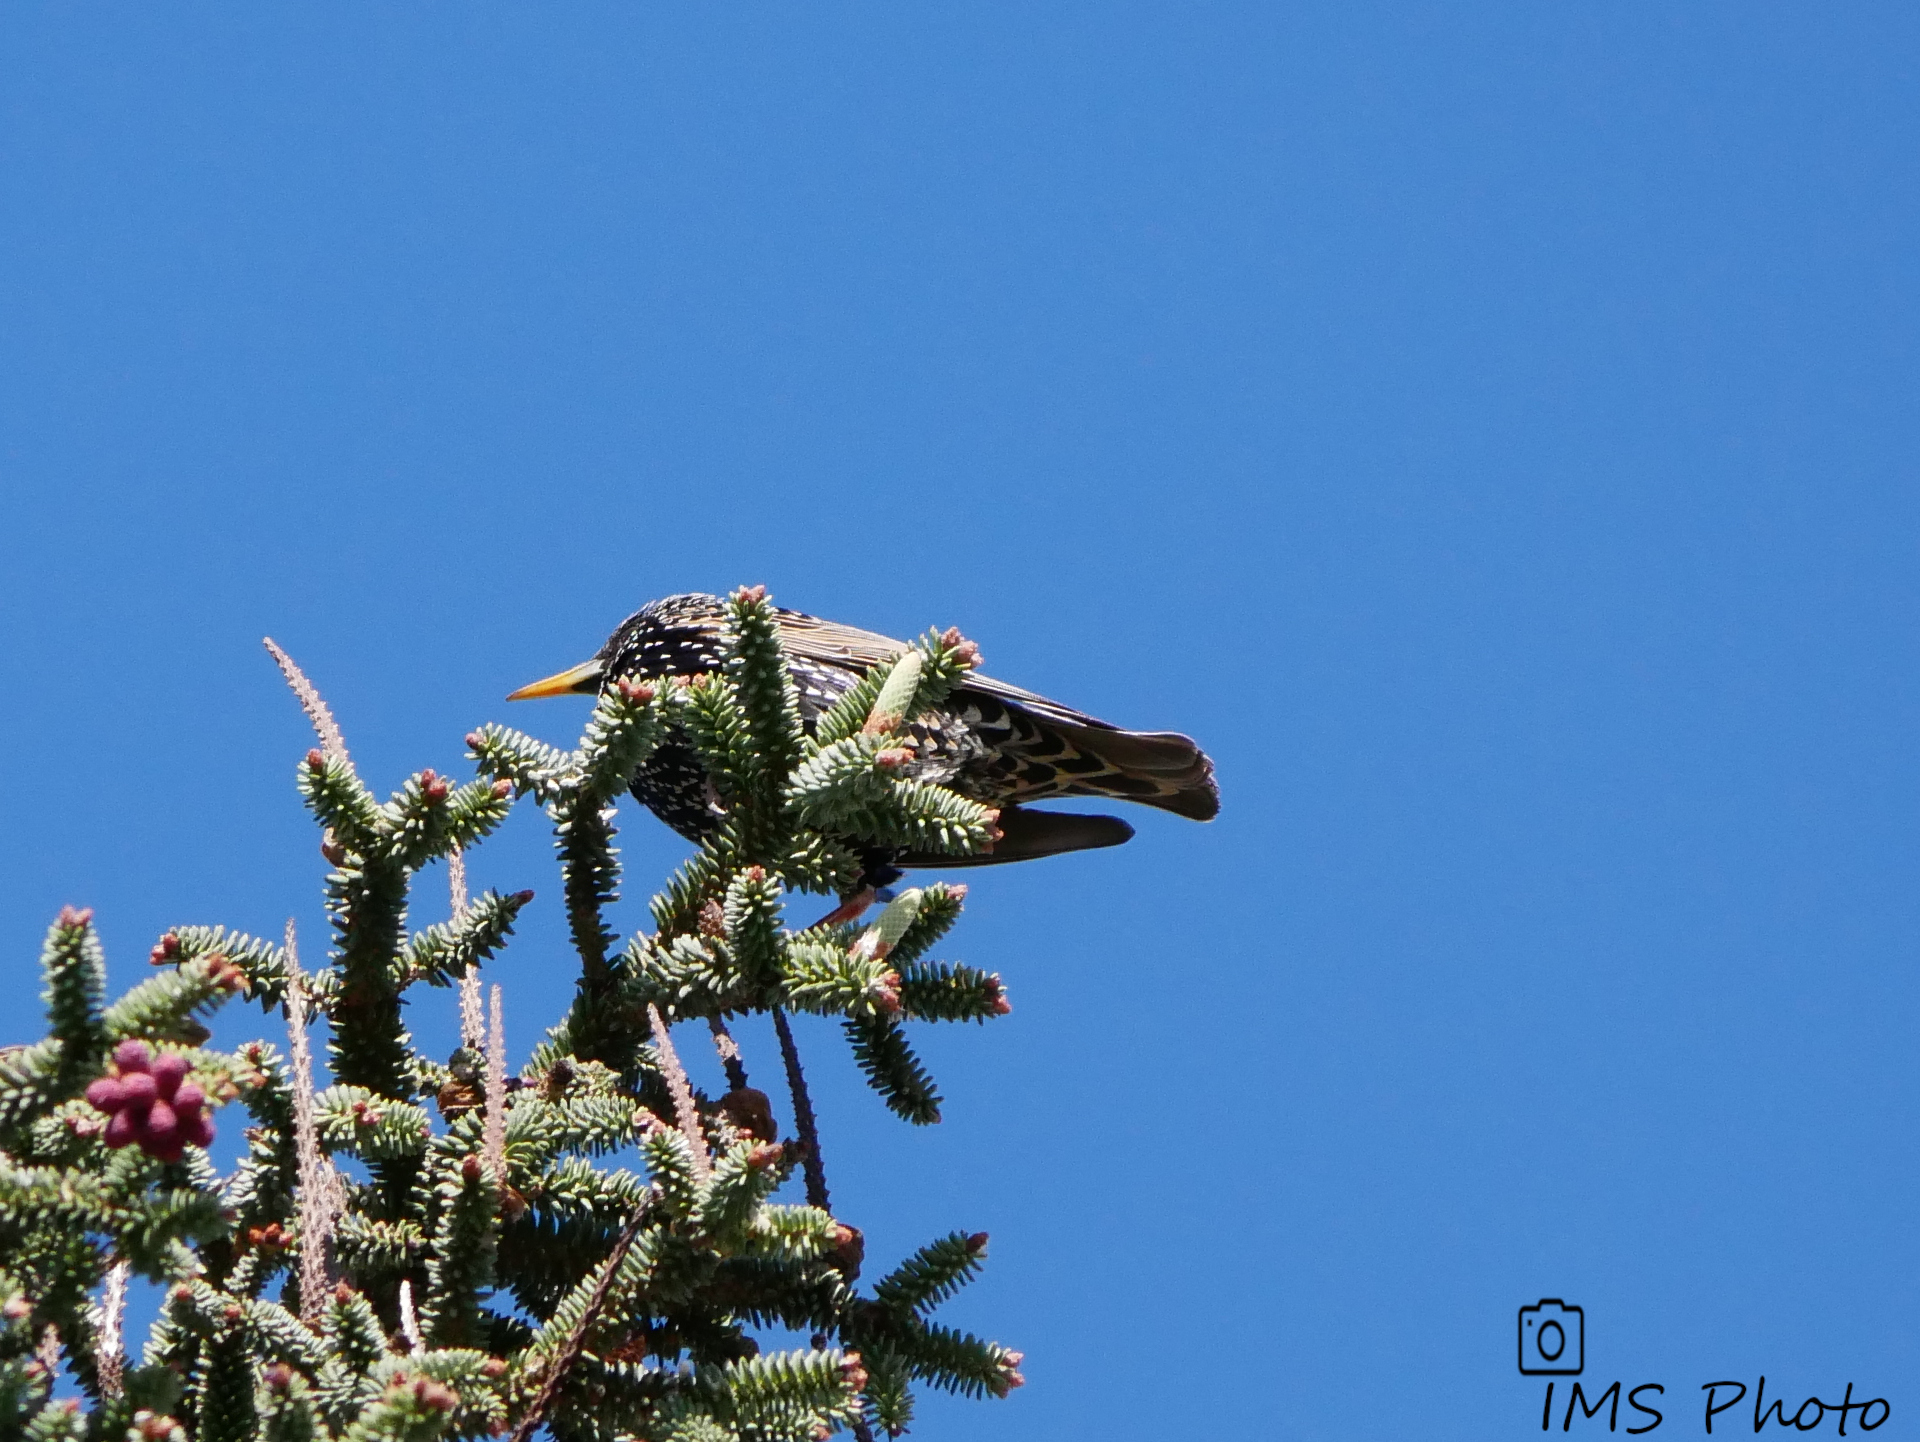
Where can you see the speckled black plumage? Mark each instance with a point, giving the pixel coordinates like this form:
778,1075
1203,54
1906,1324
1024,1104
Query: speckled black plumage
989,741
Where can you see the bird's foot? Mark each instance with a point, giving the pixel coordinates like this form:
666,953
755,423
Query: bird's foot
850,909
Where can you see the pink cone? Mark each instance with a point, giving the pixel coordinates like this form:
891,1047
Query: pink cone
133,1056
119,1130
106,1094
138,1088
169,1070
161,1128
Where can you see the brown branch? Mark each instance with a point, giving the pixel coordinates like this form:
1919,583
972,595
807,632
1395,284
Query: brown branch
729,1050
570,1349
685,1112
803,1116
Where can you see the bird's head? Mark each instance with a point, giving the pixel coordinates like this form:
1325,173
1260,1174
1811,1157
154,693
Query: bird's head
677,636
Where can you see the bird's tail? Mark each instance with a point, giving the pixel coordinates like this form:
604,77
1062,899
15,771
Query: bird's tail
1154,768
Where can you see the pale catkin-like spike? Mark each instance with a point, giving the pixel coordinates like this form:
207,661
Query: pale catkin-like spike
311,702
494,1135
473,1026
47,1354
473,1034
457,882
109,1321
320,1199
409,1319
683,1108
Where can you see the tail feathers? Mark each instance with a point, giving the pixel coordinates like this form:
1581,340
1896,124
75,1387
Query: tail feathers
1026,835
1154,768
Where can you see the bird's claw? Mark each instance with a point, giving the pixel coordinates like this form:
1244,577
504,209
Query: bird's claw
851,908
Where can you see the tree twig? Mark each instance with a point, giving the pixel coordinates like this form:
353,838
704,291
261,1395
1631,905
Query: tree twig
569,1351
685,1112
803,1121
729,1050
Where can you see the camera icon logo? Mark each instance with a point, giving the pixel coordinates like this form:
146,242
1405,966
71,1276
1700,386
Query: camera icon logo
1553,1339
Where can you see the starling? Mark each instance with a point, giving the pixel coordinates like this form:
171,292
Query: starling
989,741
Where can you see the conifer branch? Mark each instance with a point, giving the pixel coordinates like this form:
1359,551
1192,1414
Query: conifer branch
881,1051
76,985
261,965
605,1276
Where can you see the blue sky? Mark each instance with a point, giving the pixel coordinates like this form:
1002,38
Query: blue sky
1489,429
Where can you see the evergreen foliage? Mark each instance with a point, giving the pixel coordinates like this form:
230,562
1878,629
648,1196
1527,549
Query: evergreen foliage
423,1250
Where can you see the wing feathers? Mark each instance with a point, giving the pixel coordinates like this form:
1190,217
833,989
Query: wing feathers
1155,768
835,644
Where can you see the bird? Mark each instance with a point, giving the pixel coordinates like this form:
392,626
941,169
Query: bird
991,742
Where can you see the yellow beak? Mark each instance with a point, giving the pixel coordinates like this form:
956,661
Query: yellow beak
584,677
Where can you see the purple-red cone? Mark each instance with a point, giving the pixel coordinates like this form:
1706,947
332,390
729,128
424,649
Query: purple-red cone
149,1102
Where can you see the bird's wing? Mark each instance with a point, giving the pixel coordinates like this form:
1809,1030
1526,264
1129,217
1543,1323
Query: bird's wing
835,644
849,646
1083,754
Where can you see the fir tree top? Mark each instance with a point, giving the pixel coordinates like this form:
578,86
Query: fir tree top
589,1245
